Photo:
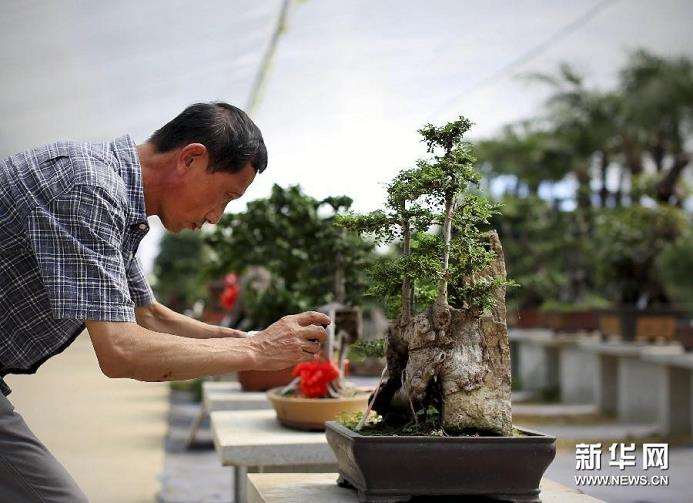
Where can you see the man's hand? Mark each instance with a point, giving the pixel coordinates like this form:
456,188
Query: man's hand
293,339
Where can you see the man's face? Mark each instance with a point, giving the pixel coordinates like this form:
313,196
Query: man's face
198,196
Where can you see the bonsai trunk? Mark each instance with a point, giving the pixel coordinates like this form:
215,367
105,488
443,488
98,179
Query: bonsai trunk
406,283
447,232
455,360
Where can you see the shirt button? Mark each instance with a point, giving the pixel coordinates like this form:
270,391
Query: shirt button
142,227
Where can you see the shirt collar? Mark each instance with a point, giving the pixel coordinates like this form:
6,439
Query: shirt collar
131,172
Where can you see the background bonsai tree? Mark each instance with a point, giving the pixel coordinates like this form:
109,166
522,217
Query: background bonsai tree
448,359
290,238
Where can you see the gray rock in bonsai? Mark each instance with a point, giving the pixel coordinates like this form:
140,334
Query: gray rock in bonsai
447,351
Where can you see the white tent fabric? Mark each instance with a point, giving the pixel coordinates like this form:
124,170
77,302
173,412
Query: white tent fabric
352,81
349,83
90,70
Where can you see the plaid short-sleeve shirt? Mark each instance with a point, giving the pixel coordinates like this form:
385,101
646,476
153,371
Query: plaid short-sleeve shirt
71,218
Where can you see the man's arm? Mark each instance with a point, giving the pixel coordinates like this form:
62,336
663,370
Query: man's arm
125,349
160,318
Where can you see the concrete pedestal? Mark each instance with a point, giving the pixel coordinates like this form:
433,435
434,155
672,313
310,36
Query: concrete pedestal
255,438
644,383
676,404
606,384
536,360
576,372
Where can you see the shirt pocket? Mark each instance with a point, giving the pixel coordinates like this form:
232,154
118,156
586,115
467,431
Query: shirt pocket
50,172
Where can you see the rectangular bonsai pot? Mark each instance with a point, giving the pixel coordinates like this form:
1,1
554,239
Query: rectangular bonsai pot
396,468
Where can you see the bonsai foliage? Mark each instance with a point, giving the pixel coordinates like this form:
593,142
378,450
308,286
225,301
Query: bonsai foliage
291,235
447,351
438,221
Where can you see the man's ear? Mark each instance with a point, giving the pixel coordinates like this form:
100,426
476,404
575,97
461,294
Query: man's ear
192,152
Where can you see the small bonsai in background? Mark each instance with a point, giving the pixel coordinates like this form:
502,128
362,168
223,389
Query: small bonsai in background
448,358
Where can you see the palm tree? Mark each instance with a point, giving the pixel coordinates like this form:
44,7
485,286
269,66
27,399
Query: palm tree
528,153
582,120
658,96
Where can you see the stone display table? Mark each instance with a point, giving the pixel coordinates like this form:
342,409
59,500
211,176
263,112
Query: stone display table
224,395
322,488
229,396
545,362
632,382
254,438
677,405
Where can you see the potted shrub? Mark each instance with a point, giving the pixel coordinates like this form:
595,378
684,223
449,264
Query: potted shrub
443,424
317,398
575,317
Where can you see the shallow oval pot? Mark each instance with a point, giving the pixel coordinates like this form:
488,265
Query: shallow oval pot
312,413
397,468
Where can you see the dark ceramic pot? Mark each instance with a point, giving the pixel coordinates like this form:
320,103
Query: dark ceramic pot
397,468
573,321
528,318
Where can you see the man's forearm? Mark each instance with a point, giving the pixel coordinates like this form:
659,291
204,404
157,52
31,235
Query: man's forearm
160,318
129,350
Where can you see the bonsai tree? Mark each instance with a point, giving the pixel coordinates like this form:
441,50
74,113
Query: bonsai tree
300,253
629,242
448,359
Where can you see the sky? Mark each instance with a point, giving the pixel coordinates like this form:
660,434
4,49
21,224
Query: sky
349,84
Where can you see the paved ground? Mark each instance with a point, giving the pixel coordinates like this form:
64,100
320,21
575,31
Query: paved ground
108,433
191,475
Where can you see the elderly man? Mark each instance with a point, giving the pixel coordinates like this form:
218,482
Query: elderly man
71,218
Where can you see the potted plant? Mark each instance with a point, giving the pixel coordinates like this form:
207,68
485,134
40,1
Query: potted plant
575,317
319,392
443,424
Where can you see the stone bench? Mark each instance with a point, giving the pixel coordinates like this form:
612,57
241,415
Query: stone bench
322,488
633,381
254,438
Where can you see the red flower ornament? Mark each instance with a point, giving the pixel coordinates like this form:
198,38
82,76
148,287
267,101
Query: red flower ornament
315,376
